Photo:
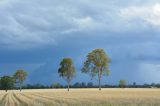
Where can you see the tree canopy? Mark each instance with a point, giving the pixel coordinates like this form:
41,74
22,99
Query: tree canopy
6,83
122,83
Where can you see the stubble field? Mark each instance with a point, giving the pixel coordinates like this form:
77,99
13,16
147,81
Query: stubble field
81,97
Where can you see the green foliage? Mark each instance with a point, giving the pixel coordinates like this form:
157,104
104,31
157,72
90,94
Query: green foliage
122,83
6,83
20,76
90,84
56,85
97,64
97,61
67,70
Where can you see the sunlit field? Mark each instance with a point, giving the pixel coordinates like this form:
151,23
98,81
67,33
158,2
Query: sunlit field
81,97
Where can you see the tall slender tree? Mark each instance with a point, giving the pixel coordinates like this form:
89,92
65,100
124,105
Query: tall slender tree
19,76
67,70
97,63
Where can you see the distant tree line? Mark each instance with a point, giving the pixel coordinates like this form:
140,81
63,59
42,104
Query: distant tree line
89,85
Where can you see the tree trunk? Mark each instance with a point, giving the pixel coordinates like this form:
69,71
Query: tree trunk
99,80
99,84
6,90
20,86
68,85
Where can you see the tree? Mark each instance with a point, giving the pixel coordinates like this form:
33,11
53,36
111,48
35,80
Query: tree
6,83
56,85
134,84
97,64
19,77
77,85
67,70
89,84
122,83
83,84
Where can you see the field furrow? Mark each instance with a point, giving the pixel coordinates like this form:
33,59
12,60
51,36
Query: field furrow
16,102
2,99
19,99
8,100
56,98
40,99
26,101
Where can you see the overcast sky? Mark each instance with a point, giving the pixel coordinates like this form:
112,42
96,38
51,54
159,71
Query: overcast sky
36,34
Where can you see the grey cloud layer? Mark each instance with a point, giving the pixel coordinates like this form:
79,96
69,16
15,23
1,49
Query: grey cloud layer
36,23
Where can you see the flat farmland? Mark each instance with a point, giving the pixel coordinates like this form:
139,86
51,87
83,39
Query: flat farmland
81,97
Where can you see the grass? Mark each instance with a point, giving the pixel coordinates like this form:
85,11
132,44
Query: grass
81,97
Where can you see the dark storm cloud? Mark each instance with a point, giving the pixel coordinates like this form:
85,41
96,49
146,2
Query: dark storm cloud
43,32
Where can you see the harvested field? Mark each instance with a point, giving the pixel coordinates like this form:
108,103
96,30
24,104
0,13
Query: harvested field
81,97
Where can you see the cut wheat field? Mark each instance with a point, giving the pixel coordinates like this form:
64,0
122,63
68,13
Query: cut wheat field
81,97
